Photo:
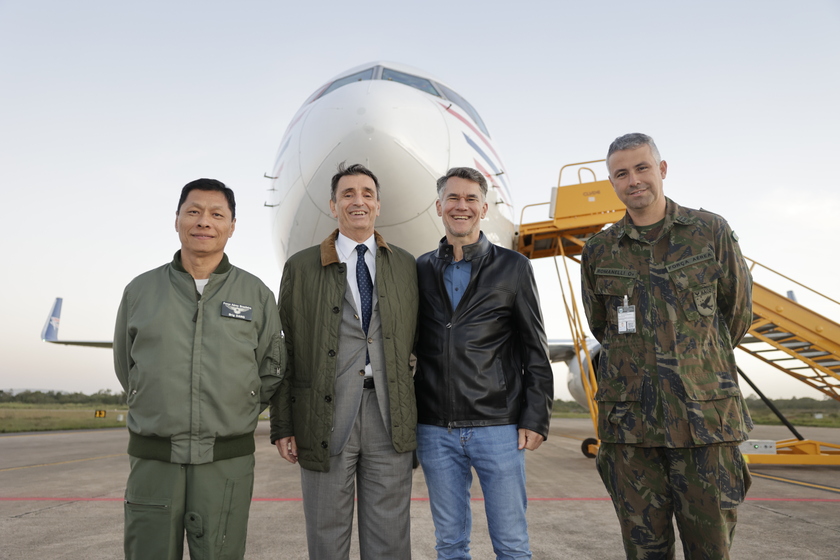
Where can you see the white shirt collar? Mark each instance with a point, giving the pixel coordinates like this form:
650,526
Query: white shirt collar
347,247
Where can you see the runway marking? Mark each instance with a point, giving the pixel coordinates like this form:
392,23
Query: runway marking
48,499
797,482
63,462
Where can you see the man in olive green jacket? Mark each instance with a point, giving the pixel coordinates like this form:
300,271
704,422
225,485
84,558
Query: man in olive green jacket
346,410
199,351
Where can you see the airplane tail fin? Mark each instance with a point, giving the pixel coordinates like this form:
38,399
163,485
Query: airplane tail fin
50,332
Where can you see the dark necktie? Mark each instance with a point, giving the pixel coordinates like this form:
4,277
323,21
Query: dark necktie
365,288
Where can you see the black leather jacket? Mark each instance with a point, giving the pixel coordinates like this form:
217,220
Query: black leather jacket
486,362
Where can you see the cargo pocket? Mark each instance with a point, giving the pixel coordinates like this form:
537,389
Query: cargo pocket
713,402
147,527
733,477
620,409
233,519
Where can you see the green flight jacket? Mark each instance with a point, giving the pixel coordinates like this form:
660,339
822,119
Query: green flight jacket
311,297
197,370
672,383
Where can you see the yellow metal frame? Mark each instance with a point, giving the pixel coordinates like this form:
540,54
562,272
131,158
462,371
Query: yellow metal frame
798,452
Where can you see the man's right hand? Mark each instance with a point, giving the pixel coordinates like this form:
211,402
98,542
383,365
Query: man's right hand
287,448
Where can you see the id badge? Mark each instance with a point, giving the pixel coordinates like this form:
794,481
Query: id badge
626,318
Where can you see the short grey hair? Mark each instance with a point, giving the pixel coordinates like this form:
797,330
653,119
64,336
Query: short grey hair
631,142
467,173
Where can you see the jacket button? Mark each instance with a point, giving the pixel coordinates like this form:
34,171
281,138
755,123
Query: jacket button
253,393
355,316
328,398
324,444
361,372
134,391
370,341
331,353
336,310
448,325
292,399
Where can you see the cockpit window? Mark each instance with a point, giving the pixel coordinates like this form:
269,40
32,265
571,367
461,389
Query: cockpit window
357,77
424,85
414,81
462,103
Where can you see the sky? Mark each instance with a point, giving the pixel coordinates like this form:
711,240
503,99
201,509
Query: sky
108,108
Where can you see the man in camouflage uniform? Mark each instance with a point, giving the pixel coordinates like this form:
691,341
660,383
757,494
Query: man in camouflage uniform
668,295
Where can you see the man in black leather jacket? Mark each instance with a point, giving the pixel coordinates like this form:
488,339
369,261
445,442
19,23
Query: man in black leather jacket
484,383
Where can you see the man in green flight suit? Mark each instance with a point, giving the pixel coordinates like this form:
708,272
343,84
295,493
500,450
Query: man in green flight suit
198,349
668,295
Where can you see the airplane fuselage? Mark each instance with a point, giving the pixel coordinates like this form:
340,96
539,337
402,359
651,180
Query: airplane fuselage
405,126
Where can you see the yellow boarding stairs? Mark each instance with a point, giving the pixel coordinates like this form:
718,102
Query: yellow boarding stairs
784,333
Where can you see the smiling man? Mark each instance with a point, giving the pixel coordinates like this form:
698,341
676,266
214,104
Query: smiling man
346,411
667,294
484,383
198,350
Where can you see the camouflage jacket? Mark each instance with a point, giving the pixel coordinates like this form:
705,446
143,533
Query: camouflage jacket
672,383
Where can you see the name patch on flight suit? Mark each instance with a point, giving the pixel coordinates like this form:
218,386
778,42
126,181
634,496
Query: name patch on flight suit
236,311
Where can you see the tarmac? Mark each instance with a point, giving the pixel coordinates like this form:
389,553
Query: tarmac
61,497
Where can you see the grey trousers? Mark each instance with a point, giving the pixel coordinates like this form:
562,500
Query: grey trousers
369,468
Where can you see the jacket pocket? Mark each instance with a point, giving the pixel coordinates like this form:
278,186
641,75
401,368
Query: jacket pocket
612,289
696,288
620,409
713,402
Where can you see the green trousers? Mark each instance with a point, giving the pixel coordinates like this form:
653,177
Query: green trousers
210,502
699,486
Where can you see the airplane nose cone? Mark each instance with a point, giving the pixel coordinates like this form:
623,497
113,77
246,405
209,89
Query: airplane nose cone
396,131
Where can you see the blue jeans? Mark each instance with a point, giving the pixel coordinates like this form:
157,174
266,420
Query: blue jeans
446,457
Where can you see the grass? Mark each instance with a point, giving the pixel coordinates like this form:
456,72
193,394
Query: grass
798,419
17,417
29,418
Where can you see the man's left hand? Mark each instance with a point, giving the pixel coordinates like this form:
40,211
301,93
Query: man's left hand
529,440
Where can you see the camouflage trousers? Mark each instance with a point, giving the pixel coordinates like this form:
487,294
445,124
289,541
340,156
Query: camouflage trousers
699,486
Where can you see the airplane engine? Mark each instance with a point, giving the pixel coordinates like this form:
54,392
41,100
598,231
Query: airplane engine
575,382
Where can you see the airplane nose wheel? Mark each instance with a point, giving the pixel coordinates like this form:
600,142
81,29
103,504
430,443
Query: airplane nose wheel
589,447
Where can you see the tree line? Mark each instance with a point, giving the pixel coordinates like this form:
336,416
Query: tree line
103,397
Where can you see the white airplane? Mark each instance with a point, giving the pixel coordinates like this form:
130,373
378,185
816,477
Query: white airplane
409,128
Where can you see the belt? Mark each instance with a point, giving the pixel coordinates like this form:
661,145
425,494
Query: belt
369,383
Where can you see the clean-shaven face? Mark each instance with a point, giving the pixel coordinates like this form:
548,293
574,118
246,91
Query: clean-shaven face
204,223
355,206
461,205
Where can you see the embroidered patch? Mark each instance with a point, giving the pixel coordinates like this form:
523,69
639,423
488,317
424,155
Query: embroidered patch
690,260
627,273
704,299
236,311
